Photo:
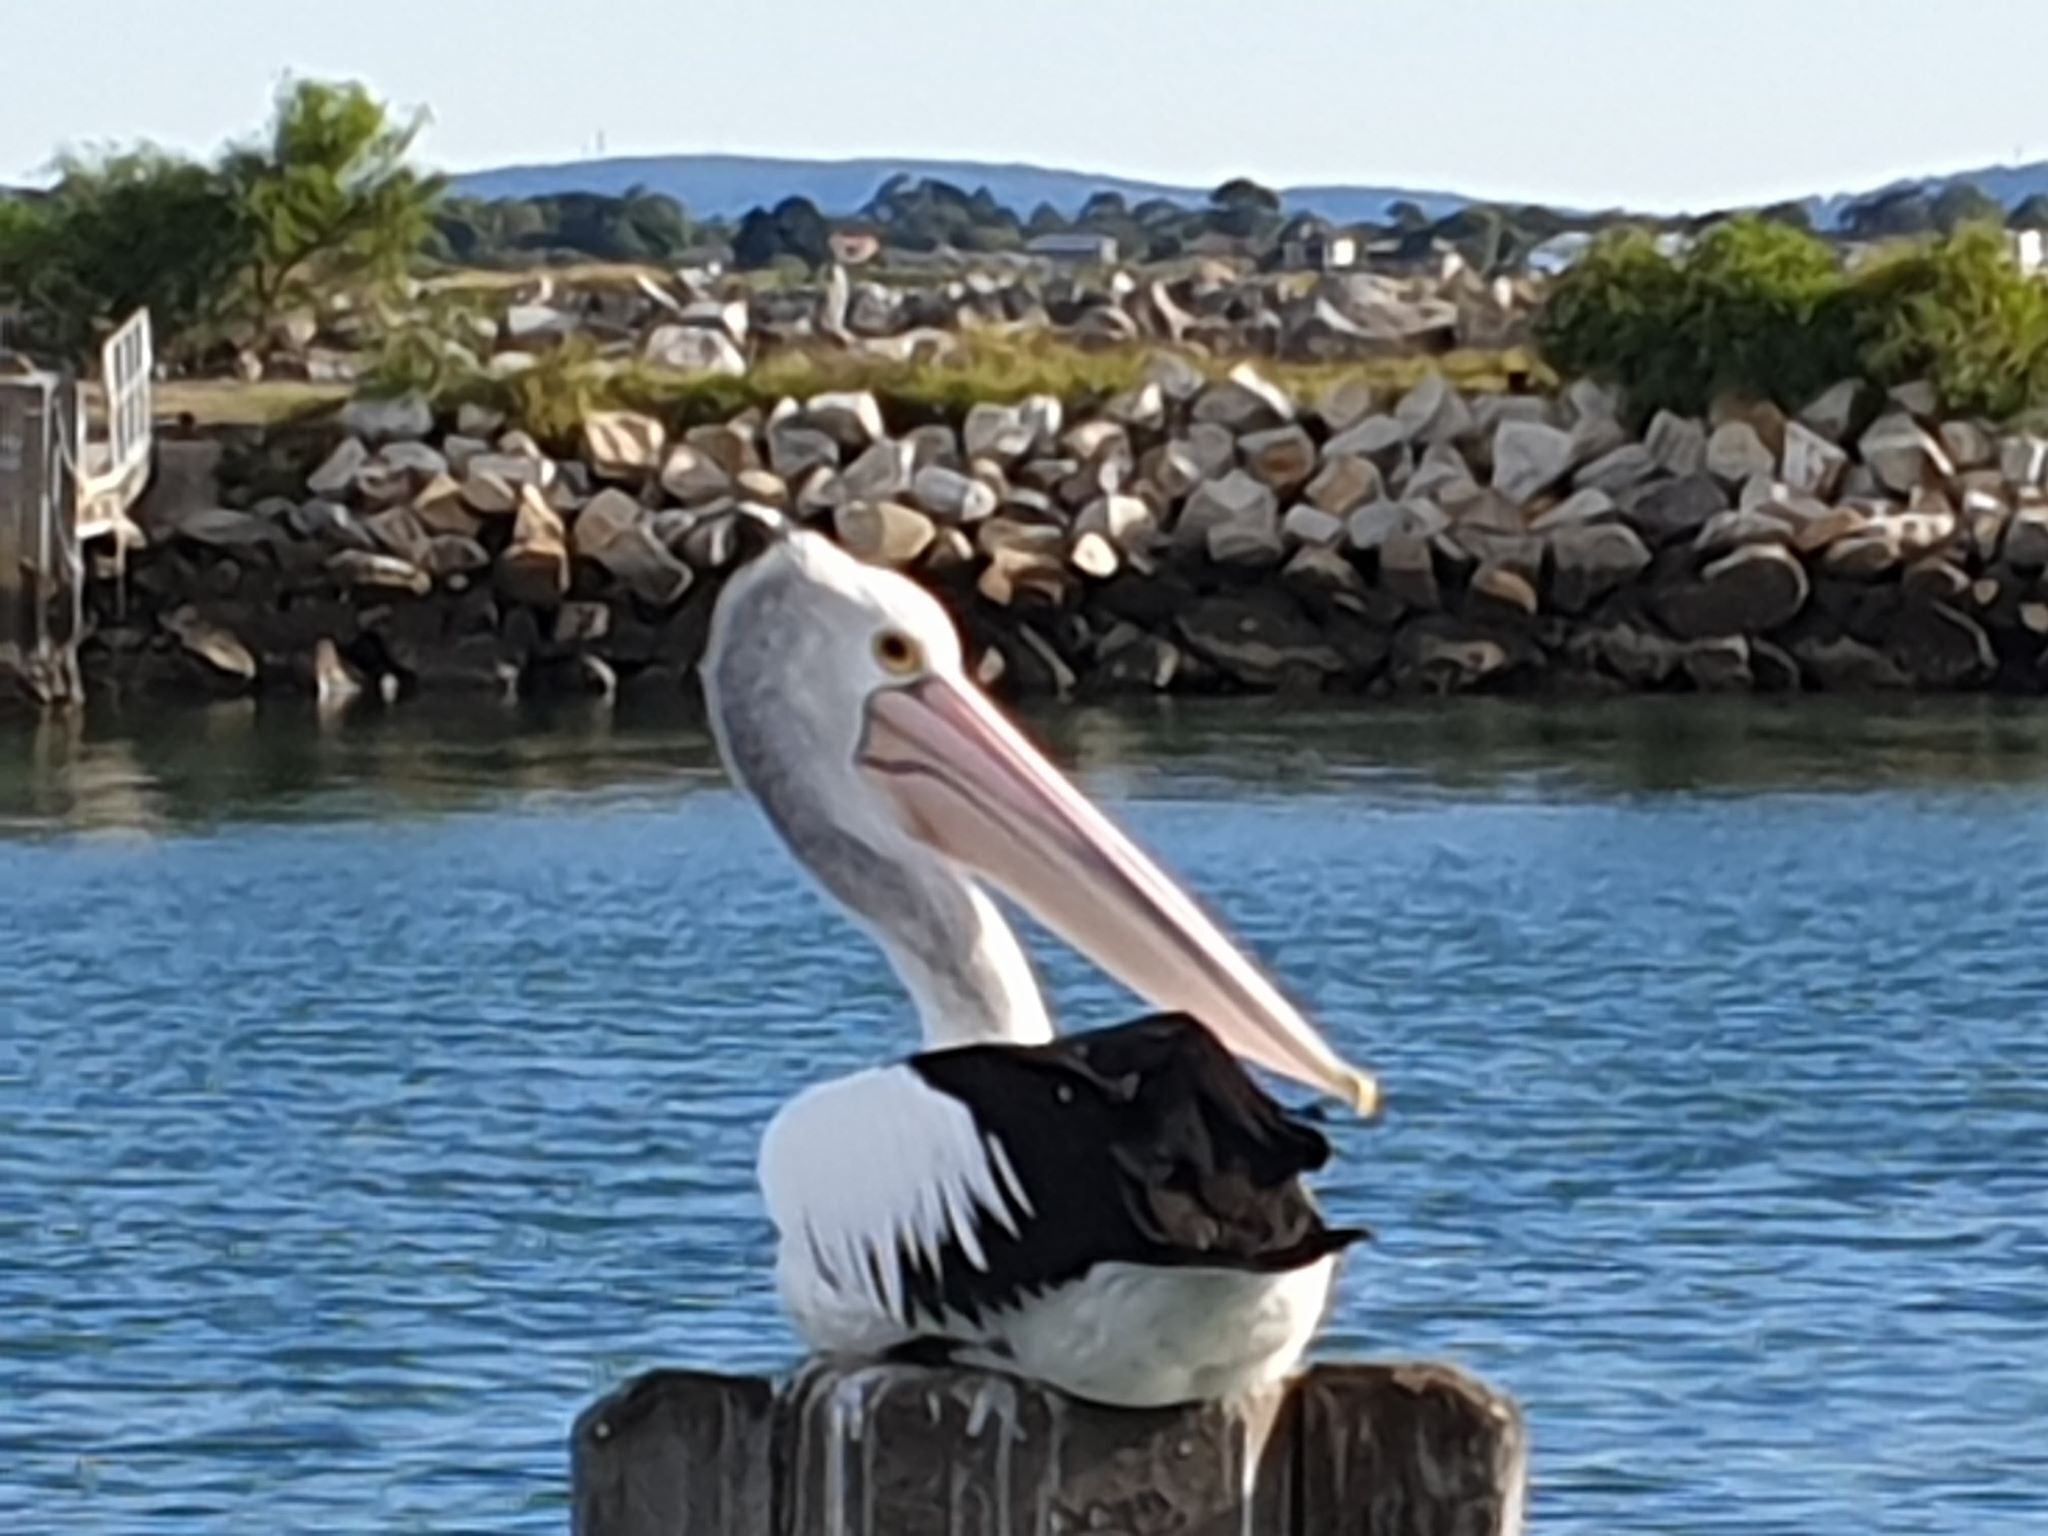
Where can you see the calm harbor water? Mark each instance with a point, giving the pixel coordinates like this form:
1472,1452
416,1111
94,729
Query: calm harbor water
372,1095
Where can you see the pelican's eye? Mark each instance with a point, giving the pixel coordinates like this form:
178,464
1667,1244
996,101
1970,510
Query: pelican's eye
898,653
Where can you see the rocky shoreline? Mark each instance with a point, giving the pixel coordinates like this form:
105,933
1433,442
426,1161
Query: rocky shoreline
1192,535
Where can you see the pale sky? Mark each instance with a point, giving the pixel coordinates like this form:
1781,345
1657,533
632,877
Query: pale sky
1649,103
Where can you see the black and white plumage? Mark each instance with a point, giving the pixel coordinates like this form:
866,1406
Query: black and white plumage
1118,1213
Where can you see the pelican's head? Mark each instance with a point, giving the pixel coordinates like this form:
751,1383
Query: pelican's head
841,701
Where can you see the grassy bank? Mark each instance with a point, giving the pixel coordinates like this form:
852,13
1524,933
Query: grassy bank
552,398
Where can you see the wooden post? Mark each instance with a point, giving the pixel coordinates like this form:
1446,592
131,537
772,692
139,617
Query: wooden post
890,1450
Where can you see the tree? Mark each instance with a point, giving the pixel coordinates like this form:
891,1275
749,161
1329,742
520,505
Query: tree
1241,192
330,199
1905,211
758,242
1795,214
802,231
124,230
793,228
1244,210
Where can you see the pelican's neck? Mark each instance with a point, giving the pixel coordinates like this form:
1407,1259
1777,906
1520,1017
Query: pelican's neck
960,961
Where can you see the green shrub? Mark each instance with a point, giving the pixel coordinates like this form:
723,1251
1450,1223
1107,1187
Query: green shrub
1766,310
1961,314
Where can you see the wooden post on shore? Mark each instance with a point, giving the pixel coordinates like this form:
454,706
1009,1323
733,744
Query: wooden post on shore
892,1450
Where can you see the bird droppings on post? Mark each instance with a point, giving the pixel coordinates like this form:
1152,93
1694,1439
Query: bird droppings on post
896,1450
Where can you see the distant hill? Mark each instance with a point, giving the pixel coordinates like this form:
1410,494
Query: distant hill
726,186
2011,185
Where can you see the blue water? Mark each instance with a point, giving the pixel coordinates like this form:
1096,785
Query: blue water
372,1096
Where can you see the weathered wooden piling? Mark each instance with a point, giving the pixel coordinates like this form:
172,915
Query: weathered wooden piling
891,1450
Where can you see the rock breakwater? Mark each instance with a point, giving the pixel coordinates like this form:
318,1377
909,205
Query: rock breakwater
1190,535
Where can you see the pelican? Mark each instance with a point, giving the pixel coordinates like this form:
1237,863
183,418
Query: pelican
1117,1213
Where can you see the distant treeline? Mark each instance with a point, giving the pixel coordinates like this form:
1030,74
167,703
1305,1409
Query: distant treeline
1240,217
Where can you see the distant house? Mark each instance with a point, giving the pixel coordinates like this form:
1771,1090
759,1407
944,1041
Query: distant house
1558,253
1418,253
853,247
1310,244
1077,249
2029,250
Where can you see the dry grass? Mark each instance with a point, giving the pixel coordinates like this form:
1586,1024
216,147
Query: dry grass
233,403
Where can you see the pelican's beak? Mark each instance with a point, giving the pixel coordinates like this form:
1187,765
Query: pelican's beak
963,781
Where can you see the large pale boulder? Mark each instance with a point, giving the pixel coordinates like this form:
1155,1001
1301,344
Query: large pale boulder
336,475
1433,411
1282,457
1529,458
1900,453
1678,444
1374,524
693,478
950,494
623,445
795,451
1126,522
694,349
1735,453
1245,401
1343,484
1237,499
534,567
399,418
851,418
884,532
1811,463
999,432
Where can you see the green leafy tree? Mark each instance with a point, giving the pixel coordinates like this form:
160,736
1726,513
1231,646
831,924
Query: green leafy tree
758,242
1905,211
330,199
124,230
1244,210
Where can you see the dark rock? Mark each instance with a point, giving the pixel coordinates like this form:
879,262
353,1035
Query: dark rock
1841,664
1129,660
1638,656
1757,589
1719,665
1258,638
450,557
1440,654
1934,579
1861,610
1940,648
1771,669
1671,510
1588,562
363,571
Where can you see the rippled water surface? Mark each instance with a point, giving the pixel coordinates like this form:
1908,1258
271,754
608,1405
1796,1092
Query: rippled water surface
373,1095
